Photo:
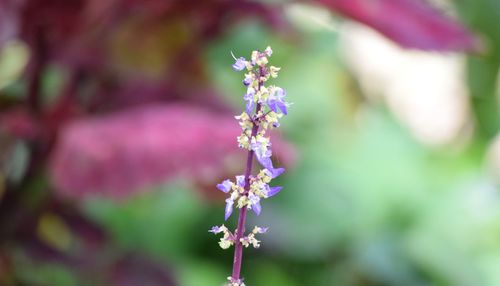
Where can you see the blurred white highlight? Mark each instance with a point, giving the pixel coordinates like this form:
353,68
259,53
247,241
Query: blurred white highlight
425,91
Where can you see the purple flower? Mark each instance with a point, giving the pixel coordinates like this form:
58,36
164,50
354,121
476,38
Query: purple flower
273,173
240,181
260,229
248,97
271,191
276,100
268,51
255,203
229,208
276,172
261,151
248,79
225,186
263,155
267,163
239,64
217,229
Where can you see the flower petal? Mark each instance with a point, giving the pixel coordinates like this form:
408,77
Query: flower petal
248,79
266,163
272,104
257,208
217,229
282,106
239,64
276,172
249,106
258,229
273,173
273,191
225,186
240,180
229,209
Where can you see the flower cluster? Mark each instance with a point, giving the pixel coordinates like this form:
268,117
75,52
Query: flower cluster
227,240
265,105
250,239
259,189
235,282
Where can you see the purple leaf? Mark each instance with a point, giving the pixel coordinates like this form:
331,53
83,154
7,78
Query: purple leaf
19,123
9,22
134,270
120,153
411,23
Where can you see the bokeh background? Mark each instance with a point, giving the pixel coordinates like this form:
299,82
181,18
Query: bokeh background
116,122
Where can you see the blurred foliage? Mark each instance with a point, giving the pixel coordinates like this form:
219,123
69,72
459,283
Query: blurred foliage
483,71
367,205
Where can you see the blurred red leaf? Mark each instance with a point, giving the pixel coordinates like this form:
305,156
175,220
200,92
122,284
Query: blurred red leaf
19,123
90,255
120,153
9,22
135,270
411,23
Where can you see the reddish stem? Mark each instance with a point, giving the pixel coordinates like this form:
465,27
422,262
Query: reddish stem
240,231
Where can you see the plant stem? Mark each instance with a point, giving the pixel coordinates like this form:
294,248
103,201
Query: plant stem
240,231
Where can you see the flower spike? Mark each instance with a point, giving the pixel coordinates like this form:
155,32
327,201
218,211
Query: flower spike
264,106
